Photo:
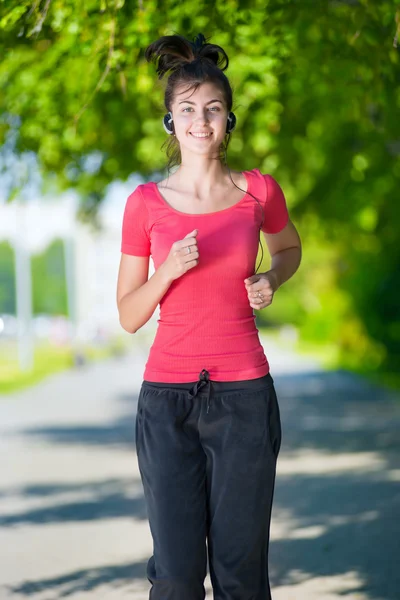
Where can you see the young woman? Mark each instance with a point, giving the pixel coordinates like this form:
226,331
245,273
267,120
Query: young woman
208,428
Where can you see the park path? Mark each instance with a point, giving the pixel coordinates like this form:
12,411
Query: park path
72,517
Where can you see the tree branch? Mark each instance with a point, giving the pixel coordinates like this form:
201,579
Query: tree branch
396,37
38,27
103,75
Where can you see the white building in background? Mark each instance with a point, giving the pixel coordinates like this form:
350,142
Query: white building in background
92,259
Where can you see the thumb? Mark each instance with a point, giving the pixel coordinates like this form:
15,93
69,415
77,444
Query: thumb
252,279
191,234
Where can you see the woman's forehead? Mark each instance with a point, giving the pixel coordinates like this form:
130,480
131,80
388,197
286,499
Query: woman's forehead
205,91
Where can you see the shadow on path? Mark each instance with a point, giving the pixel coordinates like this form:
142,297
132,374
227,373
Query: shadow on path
337,499
113,498
341,497
84,580
119,432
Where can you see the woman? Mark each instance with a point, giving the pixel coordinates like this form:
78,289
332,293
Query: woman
208,428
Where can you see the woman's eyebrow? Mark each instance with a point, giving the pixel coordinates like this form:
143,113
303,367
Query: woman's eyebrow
209,102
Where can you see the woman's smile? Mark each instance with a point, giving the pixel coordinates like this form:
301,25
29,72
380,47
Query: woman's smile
200,136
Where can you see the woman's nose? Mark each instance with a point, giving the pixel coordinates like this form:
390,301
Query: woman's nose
201,118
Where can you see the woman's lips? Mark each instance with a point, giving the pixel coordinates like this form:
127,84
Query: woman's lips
200,137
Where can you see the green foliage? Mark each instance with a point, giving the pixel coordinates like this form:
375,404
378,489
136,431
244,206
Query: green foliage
7,279
317,98
48,281
48,360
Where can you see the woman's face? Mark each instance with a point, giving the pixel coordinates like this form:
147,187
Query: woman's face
202,111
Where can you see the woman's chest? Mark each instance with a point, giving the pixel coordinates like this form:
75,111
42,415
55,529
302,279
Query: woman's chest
190,204
222,239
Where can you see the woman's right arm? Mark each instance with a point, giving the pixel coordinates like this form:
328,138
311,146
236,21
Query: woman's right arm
138,296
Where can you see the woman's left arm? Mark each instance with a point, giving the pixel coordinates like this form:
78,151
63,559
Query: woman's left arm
285,250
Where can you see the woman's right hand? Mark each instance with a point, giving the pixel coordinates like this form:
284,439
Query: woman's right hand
179,260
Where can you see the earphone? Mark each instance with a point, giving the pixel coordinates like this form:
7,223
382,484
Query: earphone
169,127
230,126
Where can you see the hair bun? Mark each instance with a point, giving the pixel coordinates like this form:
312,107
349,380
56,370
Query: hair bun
202,49
173,52
198,42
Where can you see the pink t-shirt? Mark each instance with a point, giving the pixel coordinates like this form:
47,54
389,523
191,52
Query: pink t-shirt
205,321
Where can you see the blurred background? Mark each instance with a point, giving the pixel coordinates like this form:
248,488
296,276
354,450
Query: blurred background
317,99
317,96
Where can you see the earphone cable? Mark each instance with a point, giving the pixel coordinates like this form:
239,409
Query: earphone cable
262,210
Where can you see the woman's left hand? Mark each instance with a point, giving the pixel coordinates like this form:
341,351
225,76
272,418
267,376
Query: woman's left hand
260,289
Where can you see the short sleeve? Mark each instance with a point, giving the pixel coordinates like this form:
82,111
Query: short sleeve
135,230
276,213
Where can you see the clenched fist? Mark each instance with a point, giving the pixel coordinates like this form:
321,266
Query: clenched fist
261,288
184,255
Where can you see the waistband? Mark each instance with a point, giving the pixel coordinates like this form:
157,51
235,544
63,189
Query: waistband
195,388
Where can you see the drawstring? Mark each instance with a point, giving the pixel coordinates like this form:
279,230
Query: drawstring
204,378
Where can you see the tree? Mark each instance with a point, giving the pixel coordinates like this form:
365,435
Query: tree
317,100
7,279
49,284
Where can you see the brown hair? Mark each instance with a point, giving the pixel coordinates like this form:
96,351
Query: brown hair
193,63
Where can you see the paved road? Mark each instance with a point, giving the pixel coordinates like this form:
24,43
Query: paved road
72,518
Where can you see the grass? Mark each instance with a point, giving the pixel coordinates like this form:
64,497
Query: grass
325,354
328,357
48,359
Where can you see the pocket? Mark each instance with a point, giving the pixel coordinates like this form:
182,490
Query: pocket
274,422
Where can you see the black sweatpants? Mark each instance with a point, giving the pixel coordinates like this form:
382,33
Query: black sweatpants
207,454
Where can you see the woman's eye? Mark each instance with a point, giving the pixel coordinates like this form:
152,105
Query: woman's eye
212,107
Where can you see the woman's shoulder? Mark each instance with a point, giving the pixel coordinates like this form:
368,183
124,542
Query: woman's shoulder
138,199
258,178
265,179
257,174
141,192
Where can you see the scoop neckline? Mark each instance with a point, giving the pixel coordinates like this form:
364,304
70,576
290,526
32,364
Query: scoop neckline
215,212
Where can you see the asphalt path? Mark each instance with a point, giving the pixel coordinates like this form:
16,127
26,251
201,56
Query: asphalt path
72,517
